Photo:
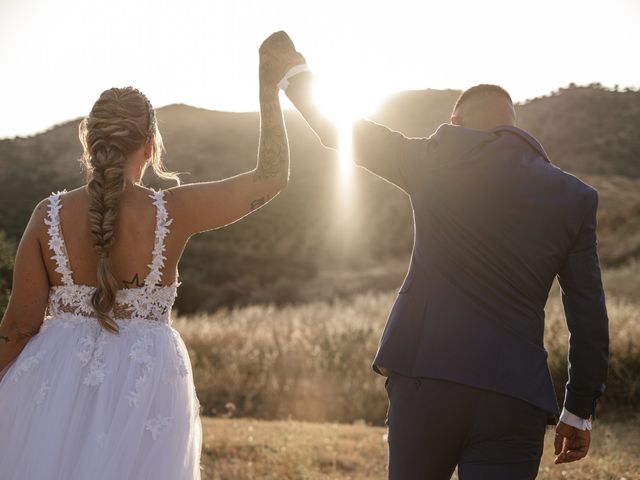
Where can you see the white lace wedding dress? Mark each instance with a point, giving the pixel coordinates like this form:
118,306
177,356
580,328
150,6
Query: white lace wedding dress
80,403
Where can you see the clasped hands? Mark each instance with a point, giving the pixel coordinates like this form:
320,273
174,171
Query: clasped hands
278,55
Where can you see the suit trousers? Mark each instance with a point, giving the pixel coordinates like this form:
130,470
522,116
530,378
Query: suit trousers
436,425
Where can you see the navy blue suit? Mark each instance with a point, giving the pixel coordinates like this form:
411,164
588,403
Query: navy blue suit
495,224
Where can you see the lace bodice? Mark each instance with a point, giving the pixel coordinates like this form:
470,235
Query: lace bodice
150,302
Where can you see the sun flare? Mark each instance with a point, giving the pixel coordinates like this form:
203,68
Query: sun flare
343,102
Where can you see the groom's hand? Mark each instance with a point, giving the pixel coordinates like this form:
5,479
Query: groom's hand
280,55
277,55
570,443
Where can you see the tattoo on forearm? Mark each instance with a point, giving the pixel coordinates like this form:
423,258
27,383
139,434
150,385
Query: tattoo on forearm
4,337
271,161
273,151
258,202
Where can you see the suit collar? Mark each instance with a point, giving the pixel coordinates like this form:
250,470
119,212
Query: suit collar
453,140
530,139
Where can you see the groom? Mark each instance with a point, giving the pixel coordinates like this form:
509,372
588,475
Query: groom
495,224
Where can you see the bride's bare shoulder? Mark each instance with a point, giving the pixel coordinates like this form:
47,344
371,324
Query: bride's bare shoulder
73,195
41,210
77,194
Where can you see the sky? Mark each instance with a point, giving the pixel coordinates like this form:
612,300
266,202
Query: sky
57,56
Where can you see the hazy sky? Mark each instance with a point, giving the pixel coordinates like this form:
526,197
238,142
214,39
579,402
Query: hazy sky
57,56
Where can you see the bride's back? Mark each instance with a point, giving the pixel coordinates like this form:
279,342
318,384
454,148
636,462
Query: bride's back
103,235
131,252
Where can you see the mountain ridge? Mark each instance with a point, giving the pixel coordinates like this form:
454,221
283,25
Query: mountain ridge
280,252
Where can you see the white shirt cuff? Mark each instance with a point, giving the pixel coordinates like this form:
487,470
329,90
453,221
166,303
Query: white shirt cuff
575,421
292,72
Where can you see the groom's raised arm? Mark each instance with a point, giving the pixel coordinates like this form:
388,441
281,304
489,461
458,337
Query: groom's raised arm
377,148
388,154
382,151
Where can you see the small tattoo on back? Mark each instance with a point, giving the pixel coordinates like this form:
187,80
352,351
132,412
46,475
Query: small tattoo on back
5,338
133,283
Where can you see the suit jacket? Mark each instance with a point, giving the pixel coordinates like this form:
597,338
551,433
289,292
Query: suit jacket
495,222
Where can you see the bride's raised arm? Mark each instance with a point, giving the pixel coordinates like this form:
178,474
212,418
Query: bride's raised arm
209,205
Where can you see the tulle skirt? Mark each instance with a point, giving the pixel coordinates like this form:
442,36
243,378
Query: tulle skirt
80,403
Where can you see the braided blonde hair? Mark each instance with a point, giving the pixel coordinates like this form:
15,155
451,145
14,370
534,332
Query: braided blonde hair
120,122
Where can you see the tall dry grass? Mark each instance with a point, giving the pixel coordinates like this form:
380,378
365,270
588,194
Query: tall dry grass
307,362
313,361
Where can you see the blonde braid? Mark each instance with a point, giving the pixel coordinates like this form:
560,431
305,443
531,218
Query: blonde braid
105,188
121,121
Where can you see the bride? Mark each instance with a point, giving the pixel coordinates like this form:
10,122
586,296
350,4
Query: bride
94,381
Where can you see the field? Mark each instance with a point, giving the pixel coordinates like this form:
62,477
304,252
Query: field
288,450
313,361
261,370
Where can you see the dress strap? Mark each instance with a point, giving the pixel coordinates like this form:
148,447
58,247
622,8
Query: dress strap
162,223
56,240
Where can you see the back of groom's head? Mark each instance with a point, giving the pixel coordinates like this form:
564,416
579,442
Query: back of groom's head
483,107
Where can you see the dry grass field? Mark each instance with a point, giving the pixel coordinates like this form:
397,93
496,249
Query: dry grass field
257,368
289,450
312,361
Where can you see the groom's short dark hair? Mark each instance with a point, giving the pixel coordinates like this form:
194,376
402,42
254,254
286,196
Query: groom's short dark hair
481,89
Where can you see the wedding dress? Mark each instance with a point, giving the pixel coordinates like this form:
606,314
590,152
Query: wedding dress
81,403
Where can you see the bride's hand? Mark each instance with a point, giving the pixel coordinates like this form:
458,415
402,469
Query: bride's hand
277,55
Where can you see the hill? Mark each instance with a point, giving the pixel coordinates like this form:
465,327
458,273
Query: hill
317,239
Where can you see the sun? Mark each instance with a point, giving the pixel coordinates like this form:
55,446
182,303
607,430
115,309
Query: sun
342,101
